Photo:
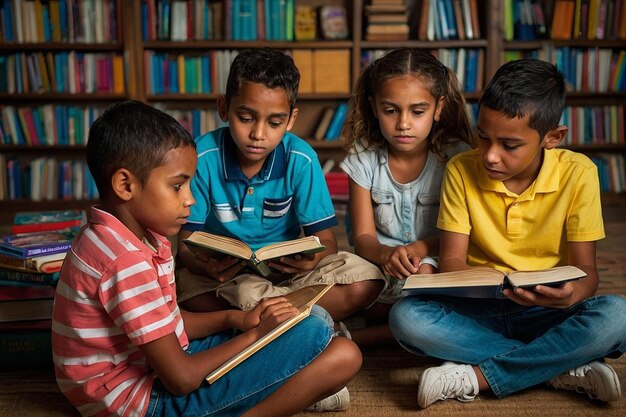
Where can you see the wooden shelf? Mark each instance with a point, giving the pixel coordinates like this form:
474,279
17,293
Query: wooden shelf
31,149
471,43
579,43
58,97
60,46
214,96
208,45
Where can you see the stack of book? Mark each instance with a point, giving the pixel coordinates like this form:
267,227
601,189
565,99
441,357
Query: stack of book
31,257
387,20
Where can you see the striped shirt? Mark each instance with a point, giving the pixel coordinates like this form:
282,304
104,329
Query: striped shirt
115,293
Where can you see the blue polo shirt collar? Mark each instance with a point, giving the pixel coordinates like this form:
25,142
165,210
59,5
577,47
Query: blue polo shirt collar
275,165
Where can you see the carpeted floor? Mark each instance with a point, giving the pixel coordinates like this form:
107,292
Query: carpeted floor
387,382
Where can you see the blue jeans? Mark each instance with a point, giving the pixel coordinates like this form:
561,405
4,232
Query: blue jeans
254,379
515,347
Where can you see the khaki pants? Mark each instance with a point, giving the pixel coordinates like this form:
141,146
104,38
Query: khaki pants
246,290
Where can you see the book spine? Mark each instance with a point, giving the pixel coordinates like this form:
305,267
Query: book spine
31,252
19,348
14,276
260,266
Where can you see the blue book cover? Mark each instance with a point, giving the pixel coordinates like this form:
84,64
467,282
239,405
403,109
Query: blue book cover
47,27
450,19
38,122
206,74
4,71
63,23
336,123
144,21
28,245
8,22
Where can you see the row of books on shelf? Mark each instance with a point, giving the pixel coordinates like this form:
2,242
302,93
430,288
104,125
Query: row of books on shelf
467,63
88,21
571,19
594,125
195,121
62,72
524,20
446,20
188,74
31,257
182,20
589,19
589,70
45,179
612,171
46,125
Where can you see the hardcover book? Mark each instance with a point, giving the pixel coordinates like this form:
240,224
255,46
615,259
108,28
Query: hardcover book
303,299
487,282
213,245
40,221
28,245
45,263
15,277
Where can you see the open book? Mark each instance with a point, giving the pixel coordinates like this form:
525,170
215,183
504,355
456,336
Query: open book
209,244
484,282
303,299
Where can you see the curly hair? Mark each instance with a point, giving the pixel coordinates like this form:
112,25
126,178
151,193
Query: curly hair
362,126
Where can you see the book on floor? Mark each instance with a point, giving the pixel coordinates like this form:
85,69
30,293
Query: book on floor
45,263
28,245
210,245
303,299
41,221
484,282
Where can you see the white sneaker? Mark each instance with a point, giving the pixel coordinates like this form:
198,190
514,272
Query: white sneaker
450,380
339,401
343,331
597,379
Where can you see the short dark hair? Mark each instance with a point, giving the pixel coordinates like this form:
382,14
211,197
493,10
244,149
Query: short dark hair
269,67
527,86
131,135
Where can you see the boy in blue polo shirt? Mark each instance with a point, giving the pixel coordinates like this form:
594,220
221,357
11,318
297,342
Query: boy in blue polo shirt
259,183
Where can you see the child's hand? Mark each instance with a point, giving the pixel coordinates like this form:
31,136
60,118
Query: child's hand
268,314
296,264
543,295
221,270
400,263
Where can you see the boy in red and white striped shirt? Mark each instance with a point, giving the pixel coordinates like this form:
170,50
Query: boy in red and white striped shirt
122,346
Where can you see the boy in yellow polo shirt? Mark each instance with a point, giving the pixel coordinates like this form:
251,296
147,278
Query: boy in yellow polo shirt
517,203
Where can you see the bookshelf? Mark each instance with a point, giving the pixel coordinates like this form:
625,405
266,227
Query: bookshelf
144,49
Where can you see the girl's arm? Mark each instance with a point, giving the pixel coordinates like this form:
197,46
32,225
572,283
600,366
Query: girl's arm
182,373
399,261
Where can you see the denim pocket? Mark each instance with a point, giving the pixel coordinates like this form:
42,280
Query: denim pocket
427,211
383,206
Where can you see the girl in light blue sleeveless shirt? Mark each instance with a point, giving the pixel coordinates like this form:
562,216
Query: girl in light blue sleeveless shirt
407,118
